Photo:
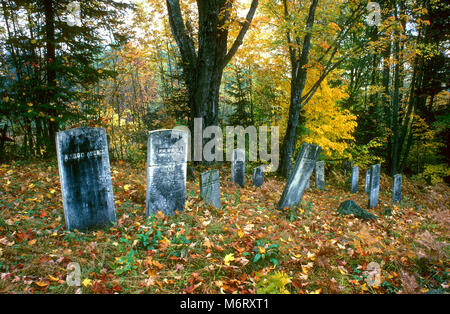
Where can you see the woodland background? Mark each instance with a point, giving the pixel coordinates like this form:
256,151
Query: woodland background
316,68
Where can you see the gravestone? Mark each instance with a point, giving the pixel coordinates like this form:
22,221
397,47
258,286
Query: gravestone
297,181
190,173
374,186
354,179
210,187
397,189
258,176
84,171
320,175
367,181
238,167
166,171
307,184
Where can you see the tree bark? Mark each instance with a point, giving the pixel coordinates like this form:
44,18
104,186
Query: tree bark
298,80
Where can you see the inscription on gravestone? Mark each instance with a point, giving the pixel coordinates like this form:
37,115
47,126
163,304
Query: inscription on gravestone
210,187
320,175
166,171
296,184
238,167
84,171
354,179
397,189
258,176
374,185
367,181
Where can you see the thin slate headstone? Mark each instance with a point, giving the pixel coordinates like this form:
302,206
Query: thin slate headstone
397,189
85,175
258,176
367,181
354,179
296,184
374,185
190,173
307,184
210,187
320,175
166,171
238,167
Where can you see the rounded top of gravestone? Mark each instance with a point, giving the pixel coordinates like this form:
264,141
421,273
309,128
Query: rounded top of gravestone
167,147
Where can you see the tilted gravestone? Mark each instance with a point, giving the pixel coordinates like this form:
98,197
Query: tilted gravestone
166,171
320,175
258,176
210,187
238,167
296,184
374,186
85,175
354,179
397,189
367,181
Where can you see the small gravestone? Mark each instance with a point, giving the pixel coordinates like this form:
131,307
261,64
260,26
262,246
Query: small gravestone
367,181
397,189
351,208
307,184
238,167
210,187
258,176
374,185
320,175
166,171
84,171
190,173
354,179
297,181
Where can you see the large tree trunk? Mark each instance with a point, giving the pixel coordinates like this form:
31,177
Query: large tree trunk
298,81
203,69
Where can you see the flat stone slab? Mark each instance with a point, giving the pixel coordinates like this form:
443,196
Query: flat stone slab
84,171
349,207
210,187
298,178
166,171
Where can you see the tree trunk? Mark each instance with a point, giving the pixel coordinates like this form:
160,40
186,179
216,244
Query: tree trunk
298,81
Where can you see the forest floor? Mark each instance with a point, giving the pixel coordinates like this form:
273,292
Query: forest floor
246,247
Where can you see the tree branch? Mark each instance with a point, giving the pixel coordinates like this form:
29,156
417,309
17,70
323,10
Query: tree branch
242,32
184,41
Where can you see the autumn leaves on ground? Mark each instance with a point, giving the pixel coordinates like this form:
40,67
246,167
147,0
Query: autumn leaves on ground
247,247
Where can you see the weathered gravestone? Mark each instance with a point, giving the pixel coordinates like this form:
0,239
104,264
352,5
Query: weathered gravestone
296,184
367,181
397,189
190,173
307,184
238,167
210,187
320,175
374,185
258,176
351,208
354,179
166,171
84,171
